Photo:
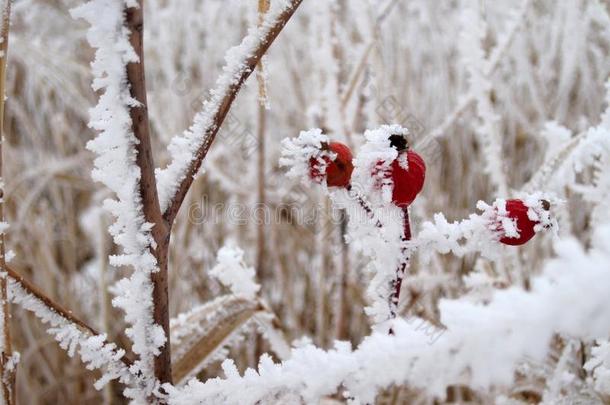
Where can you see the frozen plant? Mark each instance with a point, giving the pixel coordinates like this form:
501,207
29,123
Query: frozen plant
504,103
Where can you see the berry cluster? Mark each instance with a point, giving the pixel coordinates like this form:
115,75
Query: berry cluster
407,172
388,172
333,165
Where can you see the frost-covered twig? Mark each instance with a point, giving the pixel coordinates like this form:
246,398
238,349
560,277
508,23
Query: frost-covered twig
364,204
7,370
589,150
389,254
552,165
402,266
75,335
138,112
117,167
481,347
52,305
189,149
478,233
593,151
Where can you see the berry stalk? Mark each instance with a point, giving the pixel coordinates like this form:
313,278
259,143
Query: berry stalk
364,204
402,266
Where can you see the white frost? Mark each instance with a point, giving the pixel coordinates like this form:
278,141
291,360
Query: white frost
298,152
233,273
481,347
95,352
115,167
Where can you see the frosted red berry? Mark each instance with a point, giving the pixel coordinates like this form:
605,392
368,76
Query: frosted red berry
407,172
338,171
408,182
517,210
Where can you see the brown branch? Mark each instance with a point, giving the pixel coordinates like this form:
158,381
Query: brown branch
263,7
54,306
7,376
32,289
148,188
225,105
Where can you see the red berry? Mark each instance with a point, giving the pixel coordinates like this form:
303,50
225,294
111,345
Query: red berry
517,210
407,183
338,171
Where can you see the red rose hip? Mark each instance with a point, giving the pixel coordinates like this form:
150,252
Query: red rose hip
408,179
517,210
338,171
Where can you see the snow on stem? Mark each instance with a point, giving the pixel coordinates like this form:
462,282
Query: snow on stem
160,231
353,194
116,166
189,149
402,266
479,233
75,336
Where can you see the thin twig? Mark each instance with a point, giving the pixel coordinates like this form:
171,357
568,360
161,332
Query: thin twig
148,188
54,306
7,376
263,7
402,267
225,105
364,204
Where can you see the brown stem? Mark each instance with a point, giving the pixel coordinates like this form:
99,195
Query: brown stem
148,189
7,377
261,248
343,314
263,7
260,235
52,305
404,262
402,267
225,105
